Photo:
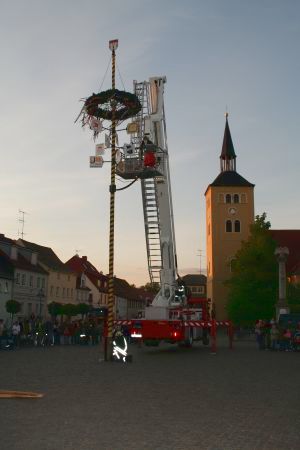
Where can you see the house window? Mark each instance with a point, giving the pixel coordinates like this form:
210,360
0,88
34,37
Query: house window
23,279
51,290
63,292
29,309
237,226
68,292
236,198
57,291
38,282
43,283
228,198
31,280
228,226
72,293
6,287
18,278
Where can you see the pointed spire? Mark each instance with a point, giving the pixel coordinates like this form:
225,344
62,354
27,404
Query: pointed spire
228,156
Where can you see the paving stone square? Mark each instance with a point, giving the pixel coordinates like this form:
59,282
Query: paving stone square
168,398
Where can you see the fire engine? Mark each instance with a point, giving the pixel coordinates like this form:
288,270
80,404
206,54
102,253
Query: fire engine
171,317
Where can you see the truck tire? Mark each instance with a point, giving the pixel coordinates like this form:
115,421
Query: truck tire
190,340
205,337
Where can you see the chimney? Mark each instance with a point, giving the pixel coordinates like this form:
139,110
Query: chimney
2,236
34,258
84,258
14,253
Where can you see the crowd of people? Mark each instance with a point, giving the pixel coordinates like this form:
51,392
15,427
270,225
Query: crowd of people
271,335
38,332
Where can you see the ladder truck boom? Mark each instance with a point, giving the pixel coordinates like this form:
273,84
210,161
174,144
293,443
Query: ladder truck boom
169,317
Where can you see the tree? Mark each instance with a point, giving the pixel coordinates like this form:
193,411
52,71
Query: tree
13,307
253,286
55,309
70,310
151,287
83,309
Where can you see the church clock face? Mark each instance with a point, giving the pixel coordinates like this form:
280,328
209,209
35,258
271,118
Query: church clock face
232,211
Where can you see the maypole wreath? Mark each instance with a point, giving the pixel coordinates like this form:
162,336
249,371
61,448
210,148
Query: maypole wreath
100,106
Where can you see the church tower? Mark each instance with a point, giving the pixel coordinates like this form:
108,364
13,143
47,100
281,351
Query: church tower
229,214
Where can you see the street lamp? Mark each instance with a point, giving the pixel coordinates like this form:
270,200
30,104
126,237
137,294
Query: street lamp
40,296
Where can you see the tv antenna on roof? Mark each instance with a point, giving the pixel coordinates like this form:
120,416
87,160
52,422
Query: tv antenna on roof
22,221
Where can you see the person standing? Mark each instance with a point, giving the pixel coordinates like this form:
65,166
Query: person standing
274,336
16,329
259,332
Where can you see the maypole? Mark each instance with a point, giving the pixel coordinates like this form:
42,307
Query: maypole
113,45
114,106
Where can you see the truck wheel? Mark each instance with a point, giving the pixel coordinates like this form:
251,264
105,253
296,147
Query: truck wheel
205,338
189,341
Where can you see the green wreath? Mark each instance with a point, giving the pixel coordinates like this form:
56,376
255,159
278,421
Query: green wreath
101,105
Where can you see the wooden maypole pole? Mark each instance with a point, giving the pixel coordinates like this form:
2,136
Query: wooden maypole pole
113,45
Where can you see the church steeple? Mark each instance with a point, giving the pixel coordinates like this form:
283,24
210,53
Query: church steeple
228,156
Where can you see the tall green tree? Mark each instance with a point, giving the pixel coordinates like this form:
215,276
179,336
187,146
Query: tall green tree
83,309
55,309
253,286
13,307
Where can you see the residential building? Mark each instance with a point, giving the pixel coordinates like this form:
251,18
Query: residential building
291,240
129,300
196,284
89,277
62,280
229,214
30,279
6,284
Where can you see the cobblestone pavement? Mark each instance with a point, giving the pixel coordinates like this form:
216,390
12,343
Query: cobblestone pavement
168,398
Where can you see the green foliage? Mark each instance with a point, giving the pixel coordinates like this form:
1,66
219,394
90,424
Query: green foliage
253,286
55,309
83,309
70,310
13,307
151,287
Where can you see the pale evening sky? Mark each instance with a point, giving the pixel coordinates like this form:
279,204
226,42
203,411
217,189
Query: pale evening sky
234,53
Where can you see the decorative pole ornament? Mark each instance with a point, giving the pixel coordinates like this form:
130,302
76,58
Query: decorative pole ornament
114,106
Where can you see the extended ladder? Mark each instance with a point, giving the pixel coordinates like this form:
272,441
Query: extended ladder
149,193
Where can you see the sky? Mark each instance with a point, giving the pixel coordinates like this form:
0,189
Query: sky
217,55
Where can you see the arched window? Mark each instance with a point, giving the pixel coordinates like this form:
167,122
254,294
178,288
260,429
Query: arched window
228,226
236,198
237,226
228,198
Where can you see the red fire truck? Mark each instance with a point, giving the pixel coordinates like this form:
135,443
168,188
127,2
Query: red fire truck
172,316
